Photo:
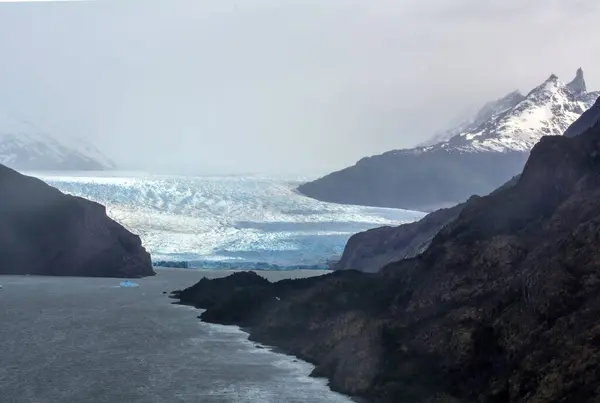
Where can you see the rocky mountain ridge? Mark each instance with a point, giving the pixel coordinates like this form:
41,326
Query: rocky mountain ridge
371,250
501,307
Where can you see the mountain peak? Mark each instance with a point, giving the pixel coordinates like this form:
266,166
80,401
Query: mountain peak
577,86
550,85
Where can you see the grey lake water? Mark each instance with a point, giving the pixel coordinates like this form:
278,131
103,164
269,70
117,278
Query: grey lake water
88,340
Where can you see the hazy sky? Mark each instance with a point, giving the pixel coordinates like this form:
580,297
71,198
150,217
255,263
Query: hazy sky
278,86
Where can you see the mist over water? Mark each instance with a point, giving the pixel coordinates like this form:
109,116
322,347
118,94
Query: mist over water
228,221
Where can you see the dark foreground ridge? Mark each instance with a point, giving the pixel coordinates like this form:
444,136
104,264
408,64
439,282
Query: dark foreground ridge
502,307
46,232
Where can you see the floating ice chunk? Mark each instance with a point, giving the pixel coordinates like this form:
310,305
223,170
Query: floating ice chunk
128,284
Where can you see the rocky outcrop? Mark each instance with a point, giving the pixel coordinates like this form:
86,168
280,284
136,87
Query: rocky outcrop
44,231
578,86
205,293
479,156
502,307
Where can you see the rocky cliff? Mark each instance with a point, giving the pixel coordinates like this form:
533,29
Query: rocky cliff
43,231
502,307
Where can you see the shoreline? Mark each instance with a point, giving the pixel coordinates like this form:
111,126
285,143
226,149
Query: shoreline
281,350
266,311
250,333
250,336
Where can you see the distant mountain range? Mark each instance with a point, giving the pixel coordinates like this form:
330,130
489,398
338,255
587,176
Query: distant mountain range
473,157
25,147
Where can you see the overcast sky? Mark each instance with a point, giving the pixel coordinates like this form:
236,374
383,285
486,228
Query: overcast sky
276,86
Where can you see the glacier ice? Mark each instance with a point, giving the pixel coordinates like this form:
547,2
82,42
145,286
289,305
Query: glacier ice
249,221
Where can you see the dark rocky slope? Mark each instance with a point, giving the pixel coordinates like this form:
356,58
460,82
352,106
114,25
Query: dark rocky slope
587,120
43,231
371,250
503,306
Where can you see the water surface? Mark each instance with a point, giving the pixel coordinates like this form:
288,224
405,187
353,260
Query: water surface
87,340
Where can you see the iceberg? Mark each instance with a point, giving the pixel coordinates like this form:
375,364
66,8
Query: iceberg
128,284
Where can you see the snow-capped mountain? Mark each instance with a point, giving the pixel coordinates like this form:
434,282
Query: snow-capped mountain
487,112
516,122
473,157
548,109
23,146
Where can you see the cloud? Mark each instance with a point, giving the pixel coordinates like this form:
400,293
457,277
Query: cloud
271,86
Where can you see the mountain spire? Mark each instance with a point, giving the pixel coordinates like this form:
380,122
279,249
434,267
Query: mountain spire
577,86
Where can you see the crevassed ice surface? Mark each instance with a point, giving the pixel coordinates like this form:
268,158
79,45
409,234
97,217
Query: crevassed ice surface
225,220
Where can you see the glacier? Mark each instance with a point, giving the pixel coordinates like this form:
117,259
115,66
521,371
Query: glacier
226,222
